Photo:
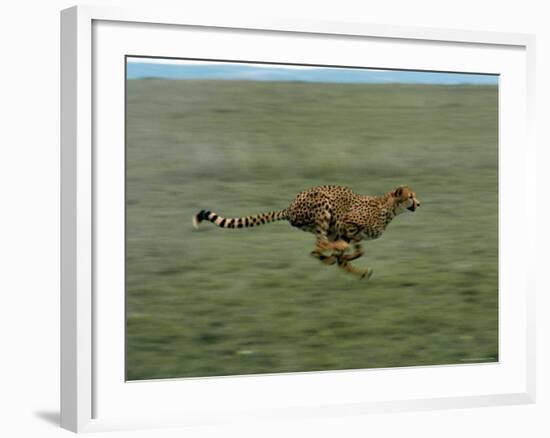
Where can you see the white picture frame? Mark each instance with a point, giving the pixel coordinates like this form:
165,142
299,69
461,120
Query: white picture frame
90,37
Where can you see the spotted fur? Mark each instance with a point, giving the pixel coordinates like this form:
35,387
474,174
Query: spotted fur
339,218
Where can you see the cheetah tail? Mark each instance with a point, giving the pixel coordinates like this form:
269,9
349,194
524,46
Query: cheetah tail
239,222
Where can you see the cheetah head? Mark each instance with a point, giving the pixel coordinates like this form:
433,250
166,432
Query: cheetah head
404,199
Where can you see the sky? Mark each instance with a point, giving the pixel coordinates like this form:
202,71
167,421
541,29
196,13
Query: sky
139,68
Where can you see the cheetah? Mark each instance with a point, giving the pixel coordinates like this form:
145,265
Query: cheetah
339,218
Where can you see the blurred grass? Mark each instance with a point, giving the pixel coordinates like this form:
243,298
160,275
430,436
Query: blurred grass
222,302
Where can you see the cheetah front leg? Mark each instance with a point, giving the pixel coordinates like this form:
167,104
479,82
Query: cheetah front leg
362,273
358,252
345,259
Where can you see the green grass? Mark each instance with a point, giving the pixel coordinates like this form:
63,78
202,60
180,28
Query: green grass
222,302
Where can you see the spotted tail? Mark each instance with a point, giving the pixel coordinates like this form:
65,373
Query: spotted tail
238,222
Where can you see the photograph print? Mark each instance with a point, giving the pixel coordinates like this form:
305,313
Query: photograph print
301,218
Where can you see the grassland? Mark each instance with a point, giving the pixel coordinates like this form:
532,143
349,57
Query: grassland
221,302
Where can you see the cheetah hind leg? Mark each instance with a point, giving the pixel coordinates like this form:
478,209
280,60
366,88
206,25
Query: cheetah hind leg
340,256
323,245
337,245
327,260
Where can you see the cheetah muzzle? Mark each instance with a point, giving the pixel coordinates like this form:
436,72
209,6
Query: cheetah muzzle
339,218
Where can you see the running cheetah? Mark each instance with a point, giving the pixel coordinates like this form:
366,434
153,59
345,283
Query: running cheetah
338,217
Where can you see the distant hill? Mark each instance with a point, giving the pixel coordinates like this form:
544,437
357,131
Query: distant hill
247,72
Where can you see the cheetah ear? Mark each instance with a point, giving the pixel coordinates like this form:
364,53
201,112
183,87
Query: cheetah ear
398,192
